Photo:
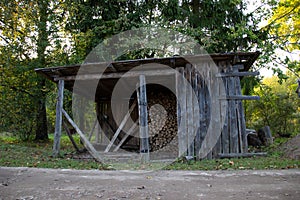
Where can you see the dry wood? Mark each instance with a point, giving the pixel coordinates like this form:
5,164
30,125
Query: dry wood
143,120
58,121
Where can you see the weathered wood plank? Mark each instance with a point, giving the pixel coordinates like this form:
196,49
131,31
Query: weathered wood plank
189,111
85,140
234,144
58,120
131,129
198,133
231,74
181,111
120,128
225,130
143,119
113,75
239,97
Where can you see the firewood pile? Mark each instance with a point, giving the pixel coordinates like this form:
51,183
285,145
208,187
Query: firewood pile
162,121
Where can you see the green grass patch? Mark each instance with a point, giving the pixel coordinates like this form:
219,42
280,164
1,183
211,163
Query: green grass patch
254,163
17,153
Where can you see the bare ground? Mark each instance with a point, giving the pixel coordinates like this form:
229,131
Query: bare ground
32,183
291,148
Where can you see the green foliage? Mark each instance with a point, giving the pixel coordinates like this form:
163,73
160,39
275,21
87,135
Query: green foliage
278,107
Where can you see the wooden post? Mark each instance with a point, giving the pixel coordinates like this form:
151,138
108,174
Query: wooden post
58,121
181,111
143,119
189,110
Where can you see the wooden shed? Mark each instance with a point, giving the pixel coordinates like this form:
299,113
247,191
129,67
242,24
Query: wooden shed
201,104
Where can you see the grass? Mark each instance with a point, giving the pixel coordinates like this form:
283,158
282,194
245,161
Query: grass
16,153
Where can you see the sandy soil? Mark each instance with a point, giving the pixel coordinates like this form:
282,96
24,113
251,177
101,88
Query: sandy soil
31,183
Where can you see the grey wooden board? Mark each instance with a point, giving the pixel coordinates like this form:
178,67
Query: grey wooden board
143,119
189,110
230,74
181,111
58,120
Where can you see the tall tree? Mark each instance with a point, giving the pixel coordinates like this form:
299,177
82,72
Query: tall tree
29,39
42,43
284,33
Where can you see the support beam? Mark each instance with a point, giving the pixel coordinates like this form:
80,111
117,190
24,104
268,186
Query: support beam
143,119
128,74
93,129
239,97
85,140
126,136
231,74
71,137
58,121
120,128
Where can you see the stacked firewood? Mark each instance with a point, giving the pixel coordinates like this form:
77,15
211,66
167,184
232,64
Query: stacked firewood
162,120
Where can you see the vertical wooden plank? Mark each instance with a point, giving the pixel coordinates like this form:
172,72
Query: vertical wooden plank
217,90
181,111
198,133
207,107
189,111
58,120
233,116
241,117
201,99
143,119
225,131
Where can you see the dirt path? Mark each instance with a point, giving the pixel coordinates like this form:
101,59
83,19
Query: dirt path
30,183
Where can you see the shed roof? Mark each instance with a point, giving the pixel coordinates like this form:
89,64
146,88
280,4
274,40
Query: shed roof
114,70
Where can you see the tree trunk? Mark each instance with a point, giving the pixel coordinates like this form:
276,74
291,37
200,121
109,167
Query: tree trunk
41,116
42,43
196,13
